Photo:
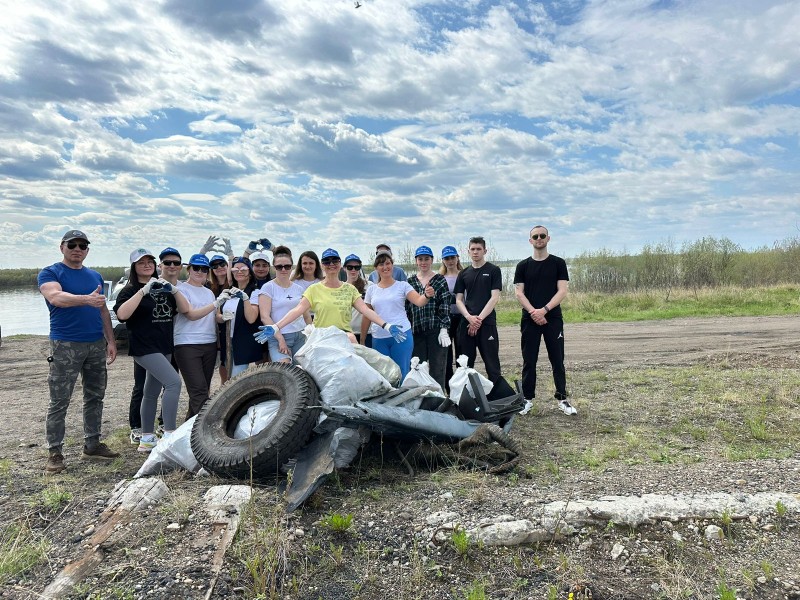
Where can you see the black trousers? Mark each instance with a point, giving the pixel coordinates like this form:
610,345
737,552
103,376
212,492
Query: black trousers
532,334
487,342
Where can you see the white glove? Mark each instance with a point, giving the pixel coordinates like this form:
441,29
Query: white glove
224,296
210,244
237,293
227,315
228,248
146,287
166,286
444,337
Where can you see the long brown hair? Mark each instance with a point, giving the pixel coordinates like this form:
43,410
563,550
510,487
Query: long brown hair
298,270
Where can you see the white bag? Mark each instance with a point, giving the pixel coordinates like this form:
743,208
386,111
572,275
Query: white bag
419,376
173,452
381,363
256,419
460,379
343,377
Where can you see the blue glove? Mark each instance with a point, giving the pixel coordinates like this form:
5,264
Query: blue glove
252,247
397,333
265,332
265,244
166,287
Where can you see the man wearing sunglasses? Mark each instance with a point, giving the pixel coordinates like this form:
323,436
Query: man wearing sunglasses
540,285
81,342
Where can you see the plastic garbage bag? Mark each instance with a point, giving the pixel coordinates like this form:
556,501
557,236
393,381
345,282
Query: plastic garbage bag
172,452
381,363
419,376
256,419
460,379
342,376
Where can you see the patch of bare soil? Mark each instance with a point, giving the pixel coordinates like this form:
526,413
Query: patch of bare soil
166,551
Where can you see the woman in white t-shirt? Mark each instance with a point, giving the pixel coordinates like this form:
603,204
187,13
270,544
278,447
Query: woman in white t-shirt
278,297
355,277
388,298
308,270
195,333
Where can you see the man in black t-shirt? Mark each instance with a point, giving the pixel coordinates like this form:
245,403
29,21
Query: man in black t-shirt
540,284
477,291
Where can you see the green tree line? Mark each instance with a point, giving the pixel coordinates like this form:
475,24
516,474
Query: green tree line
705,263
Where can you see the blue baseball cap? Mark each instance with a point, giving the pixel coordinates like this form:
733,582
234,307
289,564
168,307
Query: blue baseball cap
244,260
218,258
352,257
449,251
167,251
423,251
330,253
199,260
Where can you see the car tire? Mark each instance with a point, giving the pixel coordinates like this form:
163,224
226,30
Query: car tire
212,439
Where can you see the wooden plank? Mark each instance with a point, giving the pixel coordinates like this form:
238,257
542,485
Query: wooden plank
127,498
224,504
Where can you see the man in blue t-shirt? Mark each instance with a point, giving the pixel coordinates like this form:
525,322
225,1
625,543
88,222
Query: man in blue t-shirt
81,342
540,285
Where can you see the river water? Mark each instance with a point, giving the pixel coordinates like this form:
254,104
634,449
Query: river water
23,311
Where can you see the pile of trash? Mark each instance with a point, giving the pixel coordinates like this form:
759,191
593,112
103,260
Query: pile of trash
314,417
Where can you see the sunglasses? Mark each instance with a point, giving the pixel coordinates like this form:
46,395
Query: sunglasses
538,236
331,261
171,263
81,245
200,269
283,267
352,267
219,265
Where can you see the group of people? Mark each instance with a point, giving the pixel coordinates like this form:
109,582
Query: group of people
231,312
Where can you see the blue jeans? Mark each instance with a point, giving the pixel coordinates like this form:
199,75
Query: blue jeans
398,352
294,341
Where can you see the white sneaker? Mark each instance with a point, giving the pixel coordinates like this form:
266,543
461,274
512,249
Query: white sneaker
567,408
136,435
147,443
527,408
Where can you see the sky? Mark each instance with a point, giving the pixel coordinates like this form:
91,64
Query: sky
316,123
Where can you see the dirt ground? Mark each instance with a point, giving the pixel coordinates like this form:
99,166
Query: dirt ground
769,341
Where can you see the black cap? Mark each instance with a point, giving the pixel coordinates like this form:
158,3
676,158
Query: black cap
74,234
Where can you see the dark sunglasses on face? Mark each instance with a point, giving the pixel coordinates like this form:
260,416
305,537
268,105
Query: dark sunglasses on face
171,263
201,269
283,267
219,265
352,267
538,236
331,261
81,245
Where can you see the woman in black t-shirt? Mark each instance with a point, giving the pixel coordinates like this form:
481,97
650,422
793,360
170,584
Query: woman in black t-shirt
147,306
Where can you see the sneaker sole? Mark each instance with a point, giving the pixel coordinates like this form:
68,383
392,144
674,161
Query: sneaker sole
100,458
144,450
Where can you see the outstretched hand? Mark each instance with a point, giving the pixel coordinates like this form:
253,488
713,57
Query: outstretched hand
265,333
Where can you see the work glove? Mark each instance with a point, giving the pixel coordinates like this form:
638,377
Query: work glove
237,293
265,244
252,247
223,297
265,333
148,286
397,333
227,315
444,337
228,248
210,244
166,287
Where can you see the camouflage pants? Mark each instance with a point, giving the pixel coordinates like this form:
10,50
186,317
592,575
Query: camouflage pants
68,360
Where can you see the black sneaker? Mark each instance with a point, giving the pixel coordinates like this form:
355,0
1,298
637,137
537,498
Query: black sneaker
55,463
99,452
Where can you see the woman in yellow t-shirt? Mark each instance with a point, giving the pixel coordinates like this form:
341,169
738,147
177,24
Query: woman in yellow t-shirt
331,301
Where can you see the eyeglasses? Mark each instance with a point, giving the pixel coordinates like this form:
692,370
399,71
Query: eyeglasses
352,267
81,245
219,265
241,270
538,236
283,267
171,263
332,261
200,269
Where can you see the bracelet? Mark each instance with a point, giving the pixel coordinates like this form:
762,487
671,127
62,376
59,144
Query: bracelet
384,325
546,308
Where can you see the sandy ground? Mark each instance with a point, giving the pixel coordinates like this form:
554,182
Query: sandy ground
23,377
